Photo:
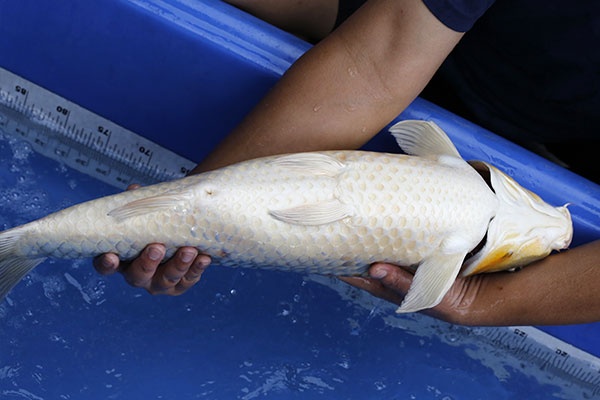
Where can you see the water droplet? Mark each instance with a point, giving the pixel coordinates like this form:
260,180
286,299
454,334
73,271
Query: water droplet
452,337
286,309
55,337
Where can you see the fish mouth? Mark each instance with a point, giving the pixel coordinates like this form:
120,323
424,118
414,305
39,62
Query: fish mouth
524,229
502,258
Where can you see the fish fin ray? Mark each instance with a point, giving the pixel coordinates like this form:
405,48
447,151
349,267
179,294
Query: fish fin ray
13,267
310,163
432,280
148,205
423,139
313,214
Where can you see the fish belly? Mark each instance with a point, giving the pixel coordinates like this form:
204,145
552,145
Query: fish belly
368,207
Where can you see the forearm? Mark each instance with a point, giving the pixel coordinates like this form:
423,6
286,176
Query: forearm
346,88
560,289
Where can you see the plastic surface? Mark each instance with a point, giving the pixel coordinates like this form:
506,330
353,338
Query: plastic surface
183,73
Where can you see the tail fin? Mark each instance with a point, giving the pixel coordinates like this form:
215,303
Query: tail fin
13,267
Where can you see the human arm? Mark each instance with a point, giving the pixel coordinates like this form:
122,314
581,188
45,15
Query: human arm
346,88
559,289
337,96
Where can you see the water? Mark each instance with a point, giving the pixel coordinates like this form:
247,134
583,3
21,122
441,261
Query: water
68,333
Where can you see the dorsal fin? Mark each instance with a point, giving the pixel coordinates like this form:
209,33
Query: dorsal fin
423,139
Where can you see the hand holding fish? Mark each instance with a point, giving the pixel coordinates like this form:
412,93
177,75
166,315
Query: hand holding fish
173,277
147,271
557,290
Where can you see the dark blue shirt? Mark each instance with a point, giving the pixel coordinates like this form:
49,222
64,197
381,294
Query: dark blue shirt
526,69
458,15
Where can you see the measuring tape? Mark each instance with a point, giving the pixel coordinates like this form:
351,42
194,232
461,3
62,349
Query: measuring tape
519,348
87,142
551,355
61,130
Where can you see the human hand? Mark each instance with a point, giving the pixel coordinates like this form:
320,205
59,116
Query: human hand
391,282
173,277
557,290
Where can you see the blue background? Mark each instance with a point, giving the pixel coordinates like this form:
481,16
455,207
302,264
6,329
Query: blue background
183,73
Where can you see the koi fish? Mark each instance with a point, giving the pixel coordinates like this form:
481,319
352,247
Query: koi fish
333,212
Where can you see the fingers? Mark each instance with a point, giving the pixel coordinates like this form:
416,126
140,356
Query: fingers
147,271
173,277
391,283
180,273
386,281
140,272
394,281
106,264
392,276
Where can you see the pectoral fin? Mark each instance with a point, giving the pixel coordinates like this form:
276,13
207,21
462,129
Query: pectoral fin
433,279
423,139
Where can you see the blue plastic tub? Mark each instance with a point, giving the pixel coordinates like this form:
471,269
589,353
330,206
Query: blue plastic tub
183,73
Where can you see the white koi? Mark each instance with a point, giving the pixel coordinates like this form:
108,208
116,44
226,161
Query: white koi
333,212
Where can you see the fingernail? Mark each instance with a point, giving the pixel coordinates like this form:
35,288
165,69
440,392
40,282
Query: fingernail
187,256
106,263
204,261
378,272
154,254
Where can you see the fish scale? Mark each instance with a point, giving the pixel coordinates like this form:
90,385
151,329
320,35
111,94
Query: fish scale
332,212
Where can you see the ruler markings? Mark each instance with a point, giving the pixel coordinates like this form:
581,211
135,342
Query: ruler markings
130,158
549,354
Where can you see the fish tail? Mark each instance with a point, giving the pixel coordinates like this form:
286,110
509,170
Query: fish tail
13,267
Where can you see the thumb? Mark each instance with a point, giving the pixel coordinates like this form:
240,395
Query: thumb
392,277
387,281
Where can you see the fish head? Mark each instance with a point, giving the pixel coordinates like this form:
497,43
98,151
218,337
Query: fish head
524,229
